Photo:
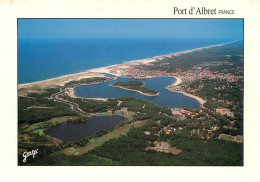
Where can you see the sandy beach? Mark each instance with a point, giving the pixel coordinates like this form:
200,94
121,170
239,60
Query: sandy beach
201,101
178,81
115,69
54,82
71,93
60,81
23,89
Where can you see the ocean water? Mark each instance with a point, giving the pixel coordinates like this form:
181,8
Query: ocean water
41,59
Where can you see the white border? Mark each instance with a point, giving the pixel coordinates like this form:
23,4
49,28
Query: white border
10,10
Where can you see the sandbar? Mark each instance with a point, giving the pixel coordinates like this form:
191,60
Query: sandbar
26,88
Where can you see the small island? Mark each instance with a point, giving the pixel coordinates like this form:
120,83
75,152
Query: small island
135,86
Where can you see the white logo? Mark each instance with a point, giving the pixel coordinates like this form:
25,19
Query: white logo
27,154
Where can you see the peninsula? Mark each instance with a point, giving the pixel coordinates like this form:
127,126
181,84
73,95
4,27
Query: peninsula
135,86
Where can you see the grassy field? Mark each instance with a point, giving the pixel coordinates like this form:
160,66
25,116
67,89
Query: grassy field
100,140
226,137
104,114
129,116
42,126
40,131
45,124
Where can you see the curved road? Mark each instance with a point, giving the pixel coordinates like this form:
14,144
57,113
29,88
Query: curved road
73,105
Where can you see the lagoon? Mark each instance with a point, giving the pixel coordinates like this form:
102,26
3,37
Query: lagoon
165,98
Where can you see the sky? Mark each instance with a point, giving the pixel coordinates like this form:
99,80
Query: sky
130,28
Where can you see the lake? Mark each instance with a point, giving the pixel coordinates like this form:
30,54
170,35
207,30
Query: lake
78,131
165,98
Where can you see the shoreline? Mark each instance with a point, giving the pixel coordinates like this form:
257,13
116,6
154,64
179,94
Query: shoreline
200,100
106,69
99,72
178,82
71,93
82,74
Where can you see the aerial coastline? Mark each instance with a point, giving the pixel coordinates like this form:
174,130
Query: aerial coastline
107,69
104,92
99,72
